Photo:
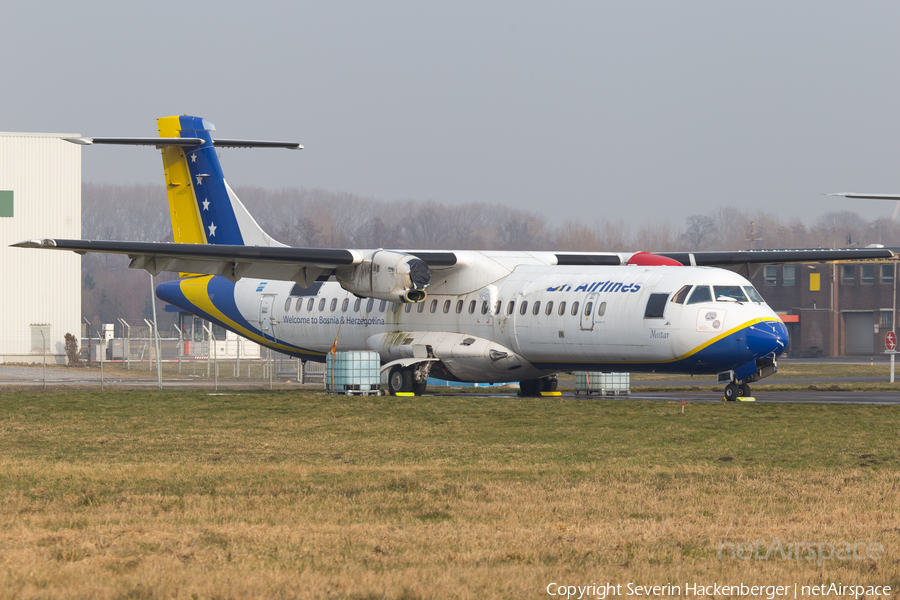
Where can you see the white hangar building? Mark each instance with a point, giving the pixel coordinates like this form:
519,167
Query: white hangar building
40,196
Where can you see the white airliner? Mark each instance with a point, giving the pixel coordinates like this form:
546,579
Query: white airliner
458,315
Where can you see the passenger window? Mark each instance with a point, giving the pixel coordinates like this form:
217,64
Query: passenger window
562,308
287,304
321,304
459,305
523,308
408,307
446,306
497,307
700,294
434,305
472,307
537,308
549,308
510,307
345,304
680,295
370,305
356,305
484,307
602,310
421,307
656,306
299,304
395,306
382,306
574,308
309,304
588,308
333,304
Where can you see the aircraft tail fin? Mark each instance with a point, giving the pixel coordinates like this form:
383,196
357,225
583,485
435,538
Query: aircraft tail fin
203,207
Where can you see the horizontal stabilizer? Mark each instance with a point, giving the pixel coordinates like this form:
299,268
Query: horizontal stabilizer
867,196
255,144
186,142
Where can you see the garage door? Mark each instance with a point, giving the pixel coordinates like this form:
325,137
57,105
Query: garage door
860,334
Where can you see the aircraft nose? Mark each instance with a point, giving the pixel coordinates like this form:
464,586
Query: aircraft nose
767,338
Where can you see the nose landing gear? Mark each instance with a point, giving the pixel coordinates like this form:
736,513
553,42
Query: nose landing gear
739,379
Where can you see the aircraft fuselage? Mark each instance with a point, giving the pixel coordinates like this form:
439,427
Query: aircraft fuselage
536,320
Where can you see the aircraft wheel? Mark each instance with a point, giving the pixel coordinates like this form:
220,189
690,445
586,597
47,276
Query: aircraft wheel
732,391
400,380
549,384
419,388
745,390
530,388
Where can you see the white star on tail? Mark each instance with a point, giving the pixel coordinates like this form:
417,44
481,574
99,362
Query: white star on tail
212,230
206,204
194,157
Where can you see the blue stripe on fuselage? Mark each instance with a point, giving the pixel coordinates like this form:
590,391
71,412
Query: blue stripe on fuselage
745,345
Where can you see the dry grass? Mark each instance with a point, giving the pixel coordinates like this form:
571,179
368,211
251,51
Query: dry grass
167,495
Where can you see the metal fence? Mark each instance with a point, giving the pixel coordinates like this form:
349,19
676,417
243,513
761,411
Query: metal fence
205,359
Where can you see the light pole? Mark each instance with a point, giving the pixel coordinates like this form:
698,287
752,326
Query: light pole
126,348
44,350
90,340
156,337
180,346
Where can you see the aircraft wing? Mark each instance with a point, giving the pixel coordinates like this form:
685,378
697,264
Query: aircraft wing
748,262
742,257
306,265
302,265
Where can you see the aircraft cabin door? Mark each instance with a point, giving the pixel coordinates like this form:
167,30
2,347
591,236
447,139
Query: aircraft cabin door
588,311
266,317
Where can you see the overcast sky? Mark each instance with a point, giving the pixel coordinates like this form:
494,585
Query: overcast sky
635,110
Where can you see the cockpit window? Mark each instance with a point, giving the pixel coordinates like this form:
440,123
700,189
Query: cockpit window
680,295
701,294
729,291
753,294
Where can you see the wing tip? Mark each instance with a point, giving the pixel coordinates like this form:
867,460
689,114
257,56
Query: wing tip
45,243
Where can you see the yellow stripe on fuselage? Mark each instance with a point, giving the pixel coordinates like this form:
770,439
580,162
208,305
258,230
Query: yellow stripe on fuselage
187,227
723,336
196,292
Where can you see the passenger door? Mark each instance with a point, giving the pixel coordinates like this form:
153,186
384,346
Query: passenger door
588,311
266,318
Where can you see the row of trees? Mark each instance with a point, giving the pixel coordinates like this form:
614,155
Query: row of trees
324,219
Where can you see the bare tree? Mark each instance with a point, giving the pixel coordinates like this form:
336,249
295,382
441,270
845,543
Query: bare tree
700,232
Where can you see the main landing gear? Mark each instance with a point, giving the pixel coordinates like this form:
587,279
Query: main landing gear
735,390
533,387
403,380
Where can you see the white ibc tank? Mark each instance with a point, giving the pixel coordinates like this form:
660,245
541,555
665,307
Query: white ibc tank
353,372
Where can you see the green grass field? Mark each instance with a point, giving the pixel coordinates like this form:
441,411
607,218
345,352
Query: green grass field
282,495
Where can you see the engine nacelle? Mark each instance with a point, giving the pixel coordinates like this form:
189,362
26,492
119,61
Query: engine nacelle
387,275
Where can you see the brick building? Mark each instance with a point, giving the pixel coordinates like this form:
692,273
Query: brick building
832,309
